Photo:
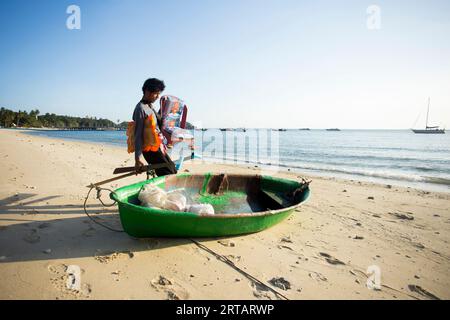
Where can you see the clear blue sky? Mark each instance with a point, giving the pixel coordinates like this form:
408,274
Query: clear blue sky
237,63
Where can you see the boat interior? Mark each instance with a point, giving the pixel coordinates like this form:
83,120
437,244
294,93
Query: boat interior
234,193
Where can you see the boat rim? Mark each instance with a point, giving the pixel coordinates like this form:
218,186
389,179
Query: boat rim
114,196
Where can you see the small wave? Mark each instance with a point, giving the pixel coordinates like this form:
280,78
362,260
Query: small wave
410,167
349,171
385,174
396,149
437,180
367,173
420,168
340,154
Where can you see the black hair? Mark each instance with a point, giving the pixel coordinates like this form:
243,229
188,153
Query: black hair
153,85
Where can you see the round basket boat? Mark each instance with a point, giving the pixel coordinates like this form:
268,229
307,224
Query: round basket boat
242,203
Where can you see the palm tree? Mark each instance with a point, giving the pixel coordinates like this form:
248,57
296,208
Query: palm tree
20,116
35,113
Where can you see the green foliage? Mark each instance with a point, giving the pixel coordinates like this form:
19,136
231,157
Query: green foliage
189,126
123,125
9,118
33,119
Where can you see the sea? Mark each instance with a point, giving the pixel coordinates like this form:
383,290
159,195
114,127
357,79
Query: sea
395,157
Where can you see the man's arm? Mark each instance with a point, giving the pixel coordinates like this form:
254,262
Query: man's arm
138,118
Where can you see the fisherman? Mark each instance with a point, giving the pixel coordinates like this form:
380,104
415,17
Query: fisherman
148,139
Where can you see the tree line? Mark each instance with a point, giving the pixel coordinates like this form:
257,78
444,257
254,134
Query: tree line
9,118
34,119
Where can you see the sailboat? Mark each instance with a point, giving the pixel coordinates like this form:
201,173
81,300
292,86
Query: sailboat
434,129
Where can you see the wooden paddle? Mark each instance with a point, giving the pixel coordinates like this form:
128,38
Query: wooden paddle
112,179
148,167
131,171
143,168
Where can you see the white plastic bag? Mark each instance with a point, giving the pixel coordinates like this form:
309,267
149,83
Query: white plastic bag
200,208
175,201
152,196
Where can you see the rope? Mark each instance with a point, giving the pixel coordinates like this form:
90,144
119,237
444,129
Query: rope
415,122
99,194
235,267
105,205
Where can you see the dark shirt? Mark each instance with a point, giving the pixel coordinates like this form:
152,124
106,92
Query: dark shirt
141,112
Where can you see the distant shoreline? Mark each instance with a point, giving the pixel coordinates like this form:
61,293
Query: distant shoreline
62,129
204,129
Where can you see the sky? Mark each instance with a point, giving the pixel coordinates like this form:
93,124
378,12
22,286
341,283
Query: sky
236,63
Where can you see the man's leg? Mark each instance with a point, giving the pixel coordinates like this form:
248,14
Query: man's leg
158,157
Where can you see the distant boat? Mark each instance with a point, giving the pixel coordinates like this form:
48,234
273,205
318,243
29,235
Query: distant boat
204,129
304,129
430,130
281,129
225,129
333,129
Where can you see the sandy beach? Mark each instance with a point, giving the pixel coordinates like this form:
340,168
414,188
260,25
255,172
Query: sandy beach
323,250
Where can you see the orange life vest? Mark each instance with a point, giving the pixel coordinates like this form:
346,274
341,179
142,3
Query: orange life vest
151,140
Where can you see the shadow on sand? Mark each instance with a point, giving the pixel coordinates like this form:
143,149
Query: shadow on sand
66,237
22,204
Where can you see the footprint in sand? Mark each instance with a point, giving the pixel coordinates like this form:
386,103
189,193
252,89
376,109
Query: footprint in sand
330,259
44,225
284,247
32,236
262,292
402,216
421,291
418,245
59,280
30,213
317,276
302,257
286,239
227,243
233,258
150,243
109,256
89,232
116,274
173,290
281,283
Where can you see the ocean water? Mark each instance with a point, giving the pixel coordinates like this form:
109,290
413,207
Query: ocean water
396,157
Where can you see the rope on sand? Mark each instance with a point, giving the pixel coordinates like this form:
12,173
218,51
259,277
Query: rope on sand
105,205
231,264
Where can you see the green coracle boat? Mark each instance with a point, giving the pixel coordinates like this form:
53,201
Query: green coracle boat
242,203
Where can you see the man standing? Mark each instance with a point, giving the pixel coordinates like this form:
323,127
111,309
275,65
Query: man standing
147,134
